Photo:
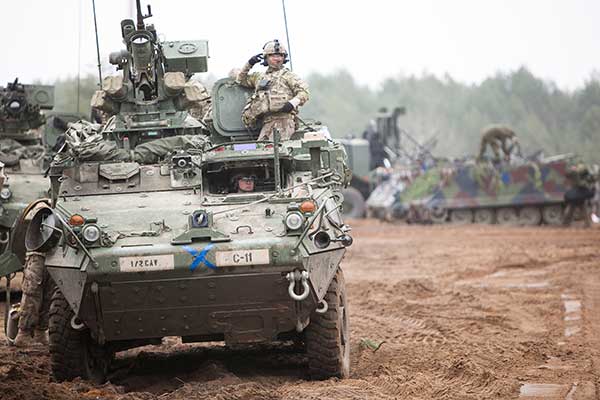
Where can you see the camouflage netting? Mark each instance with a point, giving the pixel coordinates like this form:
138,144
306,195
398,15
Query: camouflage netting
87,144
423,186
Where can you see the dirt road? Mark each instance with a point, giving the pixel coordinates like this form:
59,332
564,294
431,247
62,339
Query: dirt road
463,313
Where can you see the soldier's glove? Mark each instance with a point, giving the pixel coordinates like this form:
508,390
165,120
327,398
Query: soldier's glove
255,59
287,107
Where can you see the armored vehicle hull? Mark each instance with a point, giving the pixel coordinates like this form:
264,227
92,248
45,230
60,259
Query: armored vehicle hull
140,252
528,194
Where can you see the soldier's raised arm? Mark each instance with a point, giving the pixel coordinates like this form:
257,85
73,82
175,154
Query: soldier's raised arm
244,77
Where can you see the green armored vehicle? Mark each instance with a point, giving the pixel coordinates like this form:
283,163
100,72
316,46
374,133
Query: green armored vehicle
23,153
167,243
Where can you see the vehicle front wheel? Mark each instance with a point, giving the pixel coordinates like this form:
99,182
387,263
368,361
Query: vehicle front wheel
74,353
328,335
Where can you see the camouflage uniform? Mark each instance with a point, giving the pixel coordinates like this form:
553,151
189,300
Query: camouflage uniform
35,303
579,195
200,107
272,90
497,137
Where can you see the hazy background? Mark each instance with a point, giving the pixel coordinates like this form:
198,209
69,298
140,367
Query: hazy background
456,66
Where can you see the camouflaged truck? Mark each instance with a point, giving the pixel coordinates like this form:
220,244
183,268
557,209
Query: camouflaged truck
140,251
23,153
529,193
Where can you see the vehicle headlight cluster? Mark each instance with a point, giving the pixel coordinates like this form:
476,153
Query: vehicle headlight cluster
85,228
5,194
91,233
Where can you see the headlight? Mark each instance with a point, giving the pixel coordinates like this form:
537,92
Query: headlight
91,233
294,221
5,194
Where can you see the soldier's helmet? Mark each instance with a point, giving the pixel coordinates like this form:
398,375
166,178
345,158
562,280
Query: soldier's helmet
275,47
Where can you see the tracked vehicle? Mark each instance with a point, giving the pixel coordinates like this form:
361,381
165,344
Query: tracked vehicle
529,193
143,250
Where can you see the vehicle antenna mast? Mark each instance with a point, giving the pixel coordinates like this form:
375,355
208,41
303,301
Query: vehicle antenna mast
97,44
287,35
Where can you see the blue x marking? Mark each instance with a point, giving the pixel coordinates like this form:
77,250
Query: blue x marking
200,257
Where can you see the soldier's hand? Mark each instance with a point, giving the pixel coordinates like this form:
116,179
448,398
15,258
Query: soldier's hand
255,59
287,107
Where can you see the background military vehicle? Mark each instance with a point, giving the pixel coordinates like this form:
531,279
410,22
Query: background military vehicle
22,152
524,192
383,162
145,249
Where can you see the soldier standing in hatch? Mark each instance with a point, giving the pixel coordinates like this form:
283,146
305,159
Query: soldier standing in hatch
278,93
499,137
35,303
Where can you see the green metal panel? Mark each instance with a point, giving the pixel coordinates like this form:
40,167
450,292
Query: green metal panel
188,56
229,100
358,155
41,95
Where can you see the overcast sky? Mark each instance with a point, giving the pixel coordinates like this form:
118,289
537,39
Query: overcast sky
468,39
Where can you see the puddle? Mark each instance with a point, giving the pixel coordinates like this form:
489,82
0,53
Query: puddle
544,390
572,330
532,285
572,306
572,314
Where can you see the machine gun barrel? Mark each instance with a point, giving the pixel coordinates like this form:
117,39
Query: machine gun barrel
141,17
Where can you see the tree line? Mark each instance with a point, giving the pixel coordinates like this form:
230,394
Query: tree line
543,116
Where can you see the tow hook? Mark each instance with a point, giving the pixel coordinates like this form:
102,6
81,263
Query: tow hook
323,307
294,277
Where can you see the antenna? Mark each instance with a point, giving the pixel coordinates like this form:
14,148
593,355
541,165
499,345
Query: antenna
287,35
97,44
78,55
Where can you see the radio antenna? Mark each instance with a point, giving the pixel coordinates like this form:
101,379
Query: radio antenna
287,35
97,44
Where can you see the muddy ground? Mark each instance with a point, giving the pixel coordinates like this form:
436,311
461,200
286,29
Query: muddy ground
463,313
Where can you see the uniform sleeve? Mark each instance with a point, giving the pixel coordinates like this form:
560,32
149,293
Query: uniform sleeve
245,78
299,89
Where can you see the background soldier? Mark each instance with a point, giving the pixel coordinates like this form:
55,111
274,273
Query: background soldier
499,137
278,93
35,303
579,195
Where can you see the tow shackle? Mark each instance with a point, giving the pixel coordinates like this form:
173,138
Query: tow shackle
294,277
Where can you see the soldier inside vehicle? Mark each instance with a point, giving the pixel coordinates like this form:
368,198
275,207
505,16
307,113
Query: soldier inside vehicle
223,180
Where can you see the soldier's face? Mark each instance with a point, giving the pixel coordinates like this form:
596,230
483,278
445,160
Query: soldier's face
275,60
246,184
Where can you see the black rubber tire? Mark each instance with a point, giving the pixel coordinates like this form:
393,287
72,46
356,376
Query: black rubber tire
354,205
328,335
73,353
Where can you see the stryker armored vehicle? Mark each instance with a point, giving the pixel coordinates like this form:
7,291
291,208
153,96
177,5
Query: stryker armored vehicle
144,248
23,154
529,192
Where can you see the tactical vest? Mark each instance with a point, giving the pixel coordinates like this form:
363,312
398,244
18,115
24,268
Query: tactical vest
270,95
